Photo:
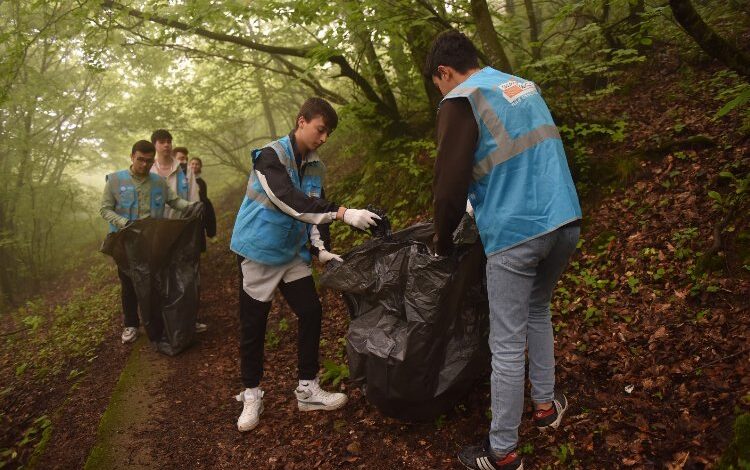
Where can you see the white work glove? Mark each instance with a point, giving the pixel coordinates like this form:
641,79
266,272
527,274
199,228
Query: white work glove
469,208
360,218
326,256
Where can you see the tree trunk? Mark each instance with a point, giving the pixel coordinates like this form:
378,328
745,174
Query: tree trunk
487,35
713,44
377,71
536,51
8,267
606,8
266,103
419,39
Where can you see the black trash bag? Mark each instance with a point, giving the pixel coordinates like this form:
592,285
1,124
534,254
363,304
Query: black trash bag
382,227
417,340
161,258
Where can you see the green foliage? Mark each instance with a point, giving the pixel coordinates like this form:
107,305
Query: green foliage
733,92
740,100
737,454
334,372
35,436
526,448
683,239
564,454
272,339
440,421
65,332
399,182
578,139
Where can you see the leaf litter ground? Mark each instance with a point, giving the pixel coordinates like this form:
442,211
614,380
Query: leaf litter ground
652,353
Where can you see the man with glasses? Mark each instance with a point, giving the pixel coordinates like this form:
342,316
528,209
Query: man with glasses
132,194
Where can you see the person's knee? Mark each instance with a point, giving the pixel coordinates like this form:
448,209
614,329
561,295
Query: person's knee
511,362
538,312
312,311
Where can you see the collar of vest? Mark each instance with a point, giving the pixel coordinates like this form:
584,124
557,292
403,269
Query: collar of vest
289,144
469,85
129,173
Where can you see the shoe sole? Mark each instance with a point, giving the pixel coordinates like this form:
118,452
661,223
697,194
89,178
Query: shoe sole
252,426
315,407
472,466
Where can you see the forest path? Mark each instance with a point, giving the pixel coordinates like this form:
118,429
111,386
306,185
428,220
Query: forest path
129,415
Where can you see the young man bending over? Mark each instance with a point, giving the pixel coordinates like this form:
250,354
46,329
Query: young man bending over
498,146
282,221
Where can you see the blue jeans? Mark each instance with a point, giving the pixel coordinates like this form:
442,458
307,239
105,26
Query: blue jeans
520,283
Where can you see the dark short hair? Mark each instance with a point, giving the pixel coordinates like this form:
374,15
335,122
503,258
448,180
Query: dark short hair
453,49
314,107
198,159
143,146
177,150
160,134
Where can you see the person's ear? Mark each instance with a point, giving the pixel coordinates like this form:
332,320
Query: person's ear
300,121
443,71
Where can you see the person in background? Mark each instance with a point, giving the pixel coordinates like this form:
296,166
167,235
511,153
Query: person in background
181,155
195,167
283,210
169,168
498,145
181,182
132,194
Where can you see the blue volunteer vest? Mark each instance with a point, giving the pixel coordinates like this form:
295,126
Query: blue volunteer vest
263,233
521,185
123,189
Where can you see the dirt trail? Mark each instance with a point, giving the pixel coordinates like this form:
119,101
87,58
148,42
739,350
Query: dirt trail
121,438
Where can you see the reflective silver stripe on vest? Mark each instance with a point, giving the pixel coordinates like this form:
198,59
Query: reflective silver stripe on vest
258,197
279,149
255,195
507,150
506,147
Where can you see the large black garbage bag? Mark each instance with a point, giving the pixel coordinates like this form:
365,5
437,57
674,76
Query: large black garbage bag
161,257
418,335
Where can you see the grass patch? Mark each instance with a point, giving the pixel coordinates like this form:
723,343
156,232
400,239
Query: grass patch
54,343
126,406
54,336
737,455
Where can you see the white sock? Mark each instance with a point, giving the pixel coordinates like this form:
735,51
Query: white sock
252,393
305,383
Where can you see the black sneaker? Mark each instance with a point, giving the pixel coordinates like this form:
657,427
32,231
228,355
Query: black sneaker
546,419
480,458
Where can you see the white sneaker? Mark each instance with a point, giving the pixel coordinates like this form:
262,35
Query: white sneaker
200,327
129,334
252,399
311,397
